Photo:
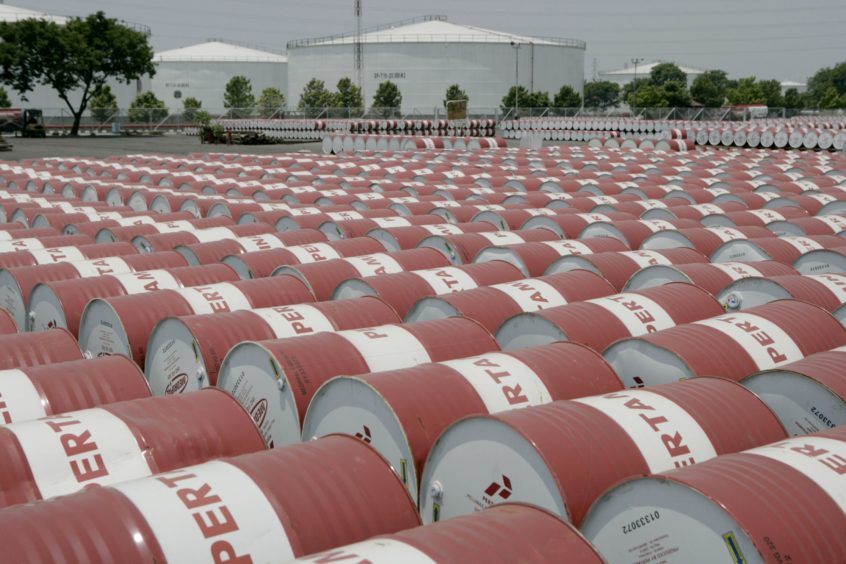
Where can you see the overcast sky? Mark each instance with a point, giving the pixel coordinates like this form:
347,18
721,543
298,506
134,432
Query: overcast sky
783,39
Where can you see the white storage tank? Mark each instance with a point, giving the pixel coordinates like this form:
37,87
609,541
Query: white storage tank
425,55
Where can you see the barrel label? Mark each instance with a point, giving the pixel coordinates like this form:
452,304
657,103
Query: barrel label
502,238
388,347
532,294
147,281
604,200
653,205
707,209
19,400
345,215
443,229
375,264
823,198
260,243
835,283
665,434
215,298
646,258
173,226
534,212
58,254
212,512
308,210
639,314
70,451
737,270
502,381
767,344
385,222
294,320
766,215
101,266
821,459
836,222
447,279
314,252
593,217
726,234
802,244
213,234
137,220
656,225
568,247
375,551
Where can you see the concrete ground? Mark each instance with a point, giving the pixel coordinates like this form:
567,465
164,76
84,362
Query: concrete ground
103,146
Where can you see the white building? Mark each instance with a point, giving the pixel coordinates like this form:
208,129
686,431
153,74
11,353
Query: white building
788,84
627,74
424,56
202,71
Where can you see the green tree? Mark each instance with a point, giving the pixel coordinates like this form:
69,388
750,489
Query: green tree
238,97
772,93
667,72
747,91
190,107
201,117
146,108
315,98
104,104
710,87
539,100
271,102
793,99
675,94
388,96
79,56
567,98
523,98
602,94
648,96
825,78
4,98
830,100
348,96
634,86
453,93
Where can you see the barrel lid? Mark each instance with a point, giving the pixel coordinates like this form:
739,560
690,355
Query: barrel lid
254,378
504,254
239,266
353,288
526,330
739,250
443,245
480,461
347,404
431,308
639,362
11,297
385,237
666,239
101,330
173,363
802,404
45,310
655,275
660,213
646,517
783,227
751,292
821,261
572,262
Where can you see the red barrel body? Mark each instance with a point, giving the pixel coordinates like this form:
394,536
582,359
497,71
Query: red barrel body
184,353
48,389
29,349
571,451
267,506
122,325
713,277
599,322
251,370
122,441
749,341
462,249
535,258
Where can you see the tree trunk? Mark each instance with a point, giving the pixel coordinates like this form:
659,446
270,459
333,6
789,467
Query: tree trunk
77,118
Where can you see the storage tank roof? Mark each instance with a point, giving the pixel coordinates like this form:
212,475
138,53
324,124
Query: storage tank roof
218,52
644,70
14,13
434,29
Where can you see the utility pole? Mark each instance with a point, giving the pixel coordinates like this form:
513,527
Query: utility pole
359,49
594,69
635,61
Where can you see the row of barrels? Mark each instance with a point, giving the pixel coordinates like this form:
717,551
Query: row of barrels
337,144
